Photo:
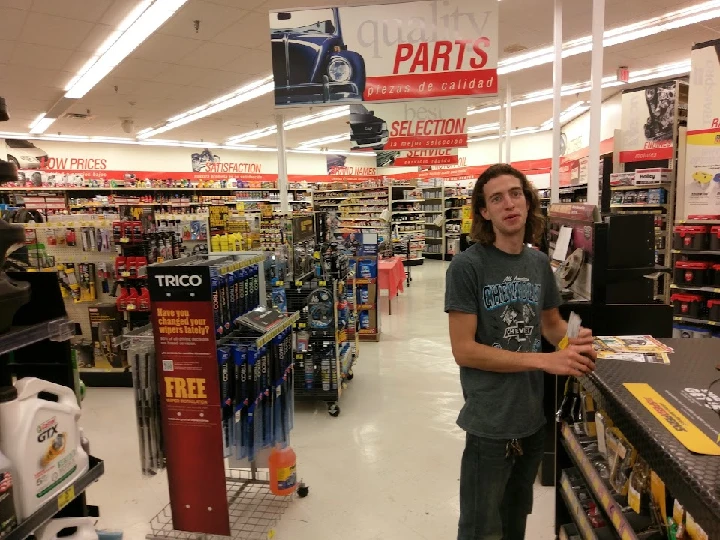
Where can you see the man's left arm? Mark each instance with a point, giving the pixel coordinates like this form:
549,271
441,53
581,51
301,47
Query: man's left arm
553,326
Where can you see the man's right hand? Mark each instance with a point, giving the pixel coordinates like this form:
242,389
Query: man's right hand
574,360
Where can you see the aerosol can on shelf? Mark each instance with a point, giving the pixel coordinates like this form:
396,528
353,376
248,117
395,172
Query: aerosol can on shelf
42,439
84,529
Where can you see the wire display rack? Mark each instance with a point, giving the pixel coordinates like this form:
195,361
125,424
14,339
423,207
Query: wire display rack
254,510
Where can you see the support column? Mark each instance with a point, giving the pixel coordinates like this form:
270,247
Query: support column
596,71
508,121
501,121
282,163
557,105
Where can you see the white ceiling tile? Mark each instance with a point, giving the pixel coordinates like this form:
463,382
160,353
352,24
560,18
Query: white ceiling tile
253,62
164,48
96,37
138,68
212,55
6,50
251,31
246,4
220,82
83,10
28,54
214,18
117,11
46,29
17,4
11,22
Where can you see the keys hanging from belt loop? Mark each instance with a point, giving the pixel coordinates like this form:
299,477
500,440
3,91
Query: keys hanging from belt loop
513,448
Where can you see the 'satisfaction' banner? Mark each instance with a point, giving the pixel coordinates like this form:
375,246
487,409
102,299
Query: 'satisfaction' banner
407,126
702,157
648,117
394,52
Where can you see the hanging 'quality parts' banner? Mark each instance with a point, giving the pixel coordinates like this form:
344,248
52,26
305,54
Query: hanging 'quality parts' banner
702,157
648,120
412,125
393,52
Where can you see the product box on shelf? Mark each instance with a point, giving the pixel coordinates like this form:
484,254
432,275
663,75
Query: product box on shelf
690,237
714,309
685,331
687,305
651,176
715,271
656,196
622,179
691,273
715,238
106,328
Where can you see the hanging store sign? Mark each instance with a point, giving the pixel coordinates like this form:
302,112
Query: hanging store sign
648,123
394,52
702,157
418,158
183,325
438,124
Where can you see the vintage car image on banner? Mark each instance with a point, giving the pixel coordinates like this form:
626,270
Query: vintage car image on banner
394,52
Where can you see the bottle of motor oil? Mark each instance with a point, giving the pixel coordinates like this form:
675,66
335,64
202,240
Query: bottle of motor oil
84,529
42,439
8,513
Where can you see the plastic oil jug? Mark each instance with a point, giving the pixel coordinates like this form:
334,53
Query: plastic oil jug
42,440
84,529
283,477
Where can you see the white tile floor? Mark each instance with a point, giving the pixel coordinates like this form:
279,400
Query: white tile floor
387,467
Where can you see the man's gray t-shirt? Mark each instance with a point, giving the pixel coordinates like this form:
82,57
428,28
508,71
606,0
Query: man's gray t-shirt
508,293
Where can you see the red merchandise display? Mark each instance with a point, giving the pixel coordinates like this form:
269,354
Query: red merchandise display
182,319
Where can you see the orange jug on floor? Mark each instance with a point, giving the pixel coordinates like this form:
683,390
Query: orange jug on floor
283,477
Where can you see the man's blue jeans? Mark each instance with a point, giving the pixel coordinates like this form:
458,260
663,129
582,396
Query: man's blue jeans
496,491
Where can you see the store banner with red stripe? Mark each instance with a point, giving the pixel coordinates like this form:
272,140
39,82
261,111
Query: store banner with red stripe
418,158
702,155
648,117
438,124
390,52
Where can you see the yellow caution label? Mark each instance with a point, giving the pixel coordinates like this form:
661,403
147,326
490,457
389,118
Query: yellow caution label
674,421
66,497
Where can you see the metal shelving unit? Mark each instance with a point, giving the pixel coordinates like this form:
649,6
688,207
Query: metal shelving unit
37,345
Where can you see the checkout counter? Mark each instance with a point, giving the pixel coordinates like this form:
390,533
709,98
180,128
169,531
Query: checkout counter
602,268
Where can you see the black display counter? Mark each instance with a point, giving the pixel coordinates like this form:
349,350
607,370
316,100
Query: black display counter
691,478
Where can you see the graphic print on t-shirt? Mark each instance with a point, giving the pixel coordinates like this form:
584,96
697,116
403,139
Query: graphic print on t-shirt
511,303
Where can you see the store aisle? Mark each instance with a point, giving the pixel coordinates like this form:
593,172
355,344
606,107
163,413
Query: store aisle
386,468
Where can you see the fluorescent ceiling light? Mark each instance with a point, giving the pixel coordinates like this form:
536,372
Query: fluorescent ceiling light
245,93
41,123
623,34
664,71
322,141
294,123
142,21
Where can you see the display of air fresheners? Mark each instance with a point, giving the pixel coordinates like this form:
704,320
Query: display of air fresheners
364,318
364,294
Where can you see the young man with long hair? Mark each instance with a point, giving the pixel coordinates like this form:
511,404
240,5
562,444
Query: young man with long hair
501,297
